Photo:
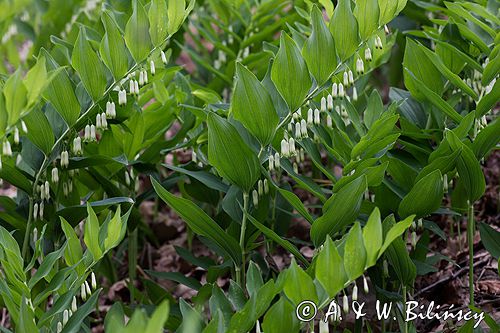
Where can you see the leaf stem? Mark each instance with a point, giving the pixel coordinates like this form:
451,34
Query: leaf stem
405,329
470,240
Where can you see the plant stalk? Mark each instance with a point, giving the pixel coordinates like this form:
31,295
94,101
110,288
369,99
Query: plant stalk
470,241
241,270
405,329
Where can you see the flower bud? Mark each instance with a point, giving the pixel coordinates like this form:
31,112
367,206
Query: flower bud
420,224
360,67
16,135
47,190
152,67
83,293
378,43
385,266
55,175
413,239
255,198
65,317
329,122
93,281
59,327
35,235
92,133
323,326
301,153
122,97
86,137
386,29
317,118
266,186
365,285
323,104
127,178
163,57
345,304
346,79
271,162
341,90
257,327
351,77
104,121
285,148
35,211
42,192
334,90
368,54
77,145
355,292
291,145
87,288
74,306
329,101
98,120
295,167
131,85
310,116
354,94
277,160
42,208
290,126
136,85
303,129
24,127
298,133
296,115
260,187
65,189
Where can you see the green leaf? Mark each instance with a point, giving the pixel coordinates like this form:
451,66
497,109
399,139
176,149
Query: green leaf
45,267
319,49
87,64
116,231
278,240
73,252
367,14
252,106
344,28
394,232
176,10
373,237
91,235
374,108
158,21
445,164
434,98
40,131
340,210
454,78
424,197
491,239
230,155
115,319
423,71
296,203
112,48
158,319
15,177
76,320
59,92
287,322
488,101
468,167
487,139
243,320
200,222
26,319
254,278
330,270
298,285
388,10
35,80
289,64
137,33
15,93
354,253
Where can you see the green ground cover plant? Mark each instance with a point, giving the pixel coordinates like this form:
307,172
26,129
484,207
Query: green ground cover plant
365,125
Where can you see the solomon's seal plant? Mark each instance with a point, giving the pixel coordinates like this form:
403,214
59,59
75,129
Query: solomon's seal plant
312,149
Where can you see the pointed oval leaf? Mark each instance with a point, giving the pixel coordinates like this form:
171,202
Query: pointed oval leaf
40,131
112,48
86,62
424,197
344,28
298,285
253,107
289,73
330,270
354,253
367,14
158,21
230,155
137,32
373,237
319,49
